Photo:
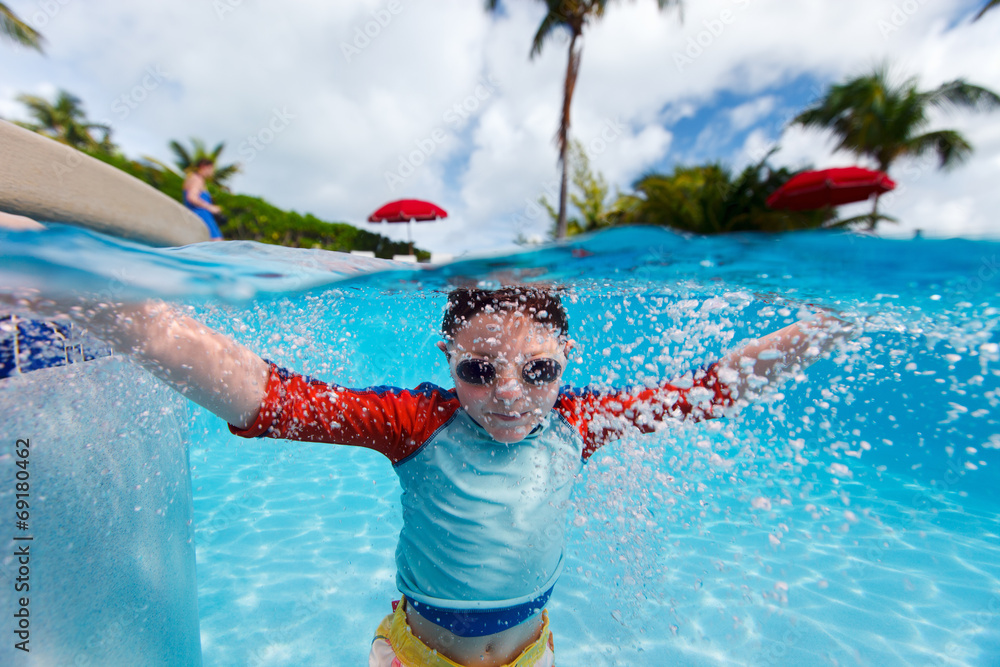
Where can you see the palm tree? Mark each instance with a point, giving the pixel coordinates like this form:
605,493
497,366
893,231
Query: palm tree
875,117
706,199
17,30
571,15
186,160
989,5
66,122
589,198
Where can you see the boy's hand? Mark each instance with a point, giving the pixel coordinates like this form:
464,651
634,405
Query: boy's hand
765,361
209,368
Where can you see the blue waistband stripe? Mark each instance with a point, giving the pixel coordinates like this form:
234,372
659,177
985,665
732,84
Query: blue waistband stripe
480,622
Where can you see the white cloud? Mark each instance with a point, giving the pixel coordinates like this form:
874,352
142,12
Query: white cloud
750,112
357,114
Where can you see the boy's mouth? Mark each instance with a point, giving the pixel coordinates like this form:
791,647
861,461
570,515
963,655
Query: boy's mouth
509,416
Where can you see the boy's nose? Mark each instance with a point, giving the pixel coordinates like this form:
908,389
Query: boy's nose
508,389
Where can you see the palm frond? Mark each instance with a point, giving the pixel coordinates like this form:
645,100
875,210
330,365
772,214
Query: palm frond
960,94
989,5
199,148
38,107
183,161
882,118
18,31
65,121
545,28
664,4
162,165
951,147
186,159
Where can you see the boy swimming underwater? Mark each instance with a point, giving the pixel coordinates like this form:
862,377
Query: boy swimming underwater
486,468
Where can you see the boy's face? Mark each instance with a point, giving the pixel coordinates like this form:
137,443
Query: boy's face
508,407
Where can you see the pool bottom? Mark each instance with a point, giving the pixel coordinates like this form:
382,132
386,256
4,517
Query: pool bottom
295,566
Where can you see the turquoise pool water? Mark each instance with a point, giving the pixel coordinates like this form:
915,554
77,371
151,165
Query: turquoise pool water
850,518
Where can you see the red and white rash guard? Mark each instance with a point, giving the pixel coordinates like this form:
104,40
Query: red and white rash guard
483,521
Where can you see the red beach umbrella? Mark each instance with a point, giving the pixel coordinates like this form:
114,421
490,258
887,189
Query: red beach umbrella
829,187
407,210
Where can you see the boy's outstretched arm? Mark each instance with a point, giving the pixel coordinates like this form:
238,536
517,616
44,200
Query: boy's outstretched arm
207,367
764,361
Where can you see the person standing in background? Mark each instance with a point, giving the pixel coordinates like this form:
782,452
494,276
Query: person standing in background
197,198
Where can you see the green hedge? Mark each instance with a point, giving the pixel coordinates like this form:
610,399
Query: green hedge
253,219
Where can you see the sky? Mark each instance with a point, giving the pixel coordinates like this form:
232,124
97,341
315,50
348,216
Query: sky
335,108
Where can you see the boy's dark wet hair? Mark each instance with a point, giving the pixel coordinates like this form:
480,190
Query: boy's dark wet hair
465,303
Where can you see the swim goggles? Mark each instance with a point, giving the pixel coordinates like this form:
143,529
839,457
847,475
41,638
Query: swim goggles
481,372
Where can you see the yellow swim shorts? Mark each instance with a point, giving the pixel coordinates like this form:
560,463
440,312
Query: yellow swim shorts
396,646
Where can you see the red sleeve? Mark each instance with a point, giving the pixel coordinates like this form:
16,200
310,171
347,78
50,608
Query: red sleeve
601,417
390,420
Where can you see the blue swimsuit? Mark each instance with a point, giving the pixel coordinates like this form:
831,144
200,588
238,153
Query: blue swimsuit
205,215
